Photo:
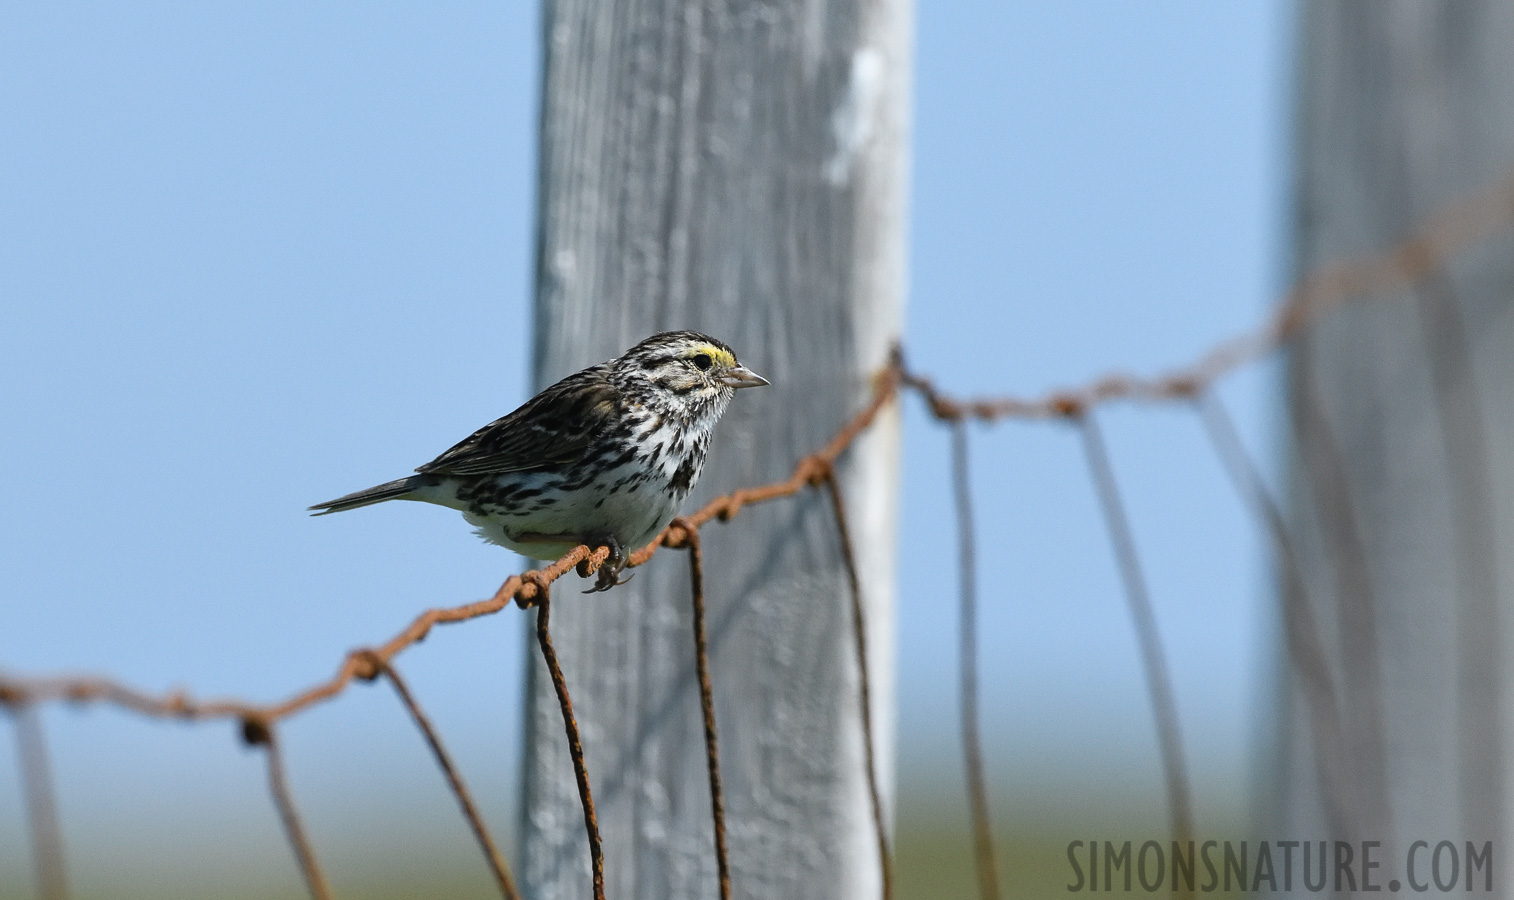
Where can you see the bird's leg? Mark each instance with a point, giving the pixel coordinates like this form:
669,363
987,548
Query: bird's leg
609,571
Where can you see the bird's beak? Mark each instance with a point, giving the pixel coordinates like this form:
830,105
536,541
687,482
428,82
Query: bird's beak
741,377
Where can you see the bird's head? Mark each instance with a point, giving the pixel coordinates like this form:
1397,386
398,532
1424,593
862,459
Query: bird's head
685,370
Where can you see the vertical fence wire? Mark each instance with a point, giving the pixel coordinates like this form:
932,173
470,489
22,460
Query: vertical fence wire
575,745
41,803
967,659
1158,681
859,630
1358,646
707,706
1301,635
1474,536
496,860
1417,263
262,733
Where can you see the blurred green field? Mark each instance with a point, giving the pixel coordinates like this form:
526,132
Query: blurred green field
936,863
933,862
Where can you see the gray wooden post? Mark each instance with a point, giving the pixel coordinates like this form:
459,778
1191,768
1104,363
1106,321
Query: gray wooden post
1402,437
737,169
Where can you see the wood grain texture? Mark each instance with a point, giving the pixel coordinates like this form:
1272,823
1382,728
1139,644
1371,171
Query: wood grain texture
1402,444
736,168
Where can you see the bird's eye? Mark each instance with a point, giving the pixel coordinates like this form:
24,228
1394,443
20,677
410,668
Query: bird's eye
702,361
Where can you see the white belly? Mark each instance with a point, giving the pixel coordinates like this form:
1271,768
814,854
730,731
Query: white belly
632,511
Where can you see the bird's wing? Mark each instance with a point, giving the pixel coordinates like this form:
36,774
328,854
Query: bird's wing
552,428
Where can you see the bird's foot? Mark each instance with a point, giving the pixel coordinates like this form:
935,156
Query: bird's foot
610,569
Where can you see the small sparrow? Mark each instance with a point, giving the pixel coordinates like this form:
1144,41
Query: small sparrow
604,457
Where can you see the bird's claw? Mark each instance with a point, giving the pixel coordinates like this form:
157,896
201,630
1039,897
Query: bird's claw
610,569
605,583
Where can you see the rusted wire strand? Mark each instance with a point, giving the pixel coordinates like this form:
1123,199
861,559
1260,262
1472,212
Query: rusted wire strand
707,706
1456,226
575,744
526,589
495,859
967,660
262,733
1322,465
859,632
522,589
41,804
1153,661
1459,224
1301,634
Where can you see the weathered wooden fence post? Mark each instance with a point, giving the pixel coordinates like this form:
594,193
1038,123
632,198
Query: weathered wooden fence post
1402,443
737,169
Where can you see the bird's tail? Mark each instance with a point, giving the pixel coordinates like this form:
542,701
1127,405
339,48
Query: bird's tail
393,490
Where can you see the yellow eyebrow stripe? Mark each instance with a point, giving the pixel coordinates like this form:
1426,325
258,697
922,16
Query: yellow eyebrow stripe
724,357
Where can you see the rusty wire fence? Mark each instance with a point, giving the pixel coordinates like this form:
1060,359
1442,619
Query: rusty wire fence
1412,263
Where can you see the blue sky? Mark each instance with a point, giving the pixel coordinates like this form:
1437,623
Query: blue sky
256,255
